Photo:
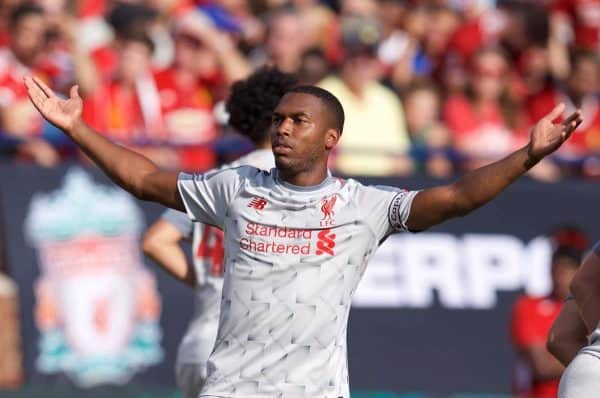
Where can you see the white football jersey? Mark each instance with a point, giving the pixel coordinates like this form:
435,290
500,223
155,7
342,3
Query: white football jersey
293,259
207,257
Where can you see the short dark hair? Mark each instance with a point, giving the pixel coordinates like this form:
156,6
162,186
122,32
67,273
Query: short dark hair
23,11
579,54
567,252
124,17
253,100
138,36
331,102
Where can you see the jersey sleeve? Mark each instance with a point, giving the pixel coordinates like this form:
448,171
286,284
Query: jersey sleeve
207,196
386,209
180,221
596,248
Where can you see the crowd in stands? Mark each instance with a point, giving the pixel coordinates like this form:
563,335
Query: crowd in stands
429,86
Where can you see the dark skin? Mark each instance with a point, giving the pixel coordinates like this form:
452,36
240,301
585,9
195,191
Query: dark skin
568,334
302,138
303,135
580,315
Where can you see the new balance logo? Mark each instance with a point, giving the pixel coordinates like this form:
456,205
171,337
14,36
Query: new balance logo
257,203
325,242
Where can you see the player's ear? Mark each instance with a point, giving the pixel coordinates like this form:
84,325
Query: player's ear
332,136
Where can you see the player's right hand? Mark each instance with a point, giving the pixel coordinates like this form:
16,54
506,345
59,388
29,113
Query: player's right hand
62,113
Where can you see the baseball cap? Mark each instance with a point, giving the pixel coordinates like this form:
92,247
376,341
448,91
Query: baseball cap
360,34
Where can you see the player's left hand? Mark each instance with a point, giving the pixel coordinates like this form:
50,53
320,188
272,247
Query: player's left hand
547,136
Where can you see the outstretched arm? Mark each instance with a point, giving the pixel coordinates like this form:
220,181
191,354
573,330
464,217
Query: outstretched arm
435,205
161,244
585,287
132,171
568,334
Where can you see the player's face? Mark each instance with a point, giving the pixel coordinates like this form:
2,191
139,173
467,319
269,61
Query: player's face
300,135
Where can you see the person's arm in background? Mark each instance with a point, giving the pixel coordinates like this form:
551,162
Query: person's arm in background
568,334
161,243
435,205
86,74
531,344
560,39
234,64
585,287
133,172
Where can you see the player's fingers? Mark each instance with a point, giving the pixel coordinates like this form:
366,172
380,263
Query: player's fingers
572,117
37,98
556,112
575,124
30,85
74,93
47,90
568,130
35,93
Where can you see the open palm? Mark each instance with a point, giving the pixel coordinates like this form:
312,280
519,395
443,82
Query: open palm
547,136
62,113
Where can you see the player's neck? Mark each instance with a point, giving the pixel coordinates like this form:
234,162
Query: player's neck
308,178
263,145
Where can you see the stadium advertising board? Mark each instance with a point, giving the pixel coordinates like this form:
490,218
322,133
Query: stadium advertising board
96,304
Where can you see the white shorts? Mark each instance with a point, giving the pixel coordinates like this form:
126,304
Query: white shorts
190,378
581,379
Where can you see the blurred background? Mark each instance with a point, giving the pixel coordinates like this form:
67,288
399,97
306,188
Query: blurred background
431,89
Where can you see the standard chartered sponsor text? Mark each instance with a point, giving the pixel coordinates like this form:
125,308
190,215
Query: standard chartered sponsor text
289,240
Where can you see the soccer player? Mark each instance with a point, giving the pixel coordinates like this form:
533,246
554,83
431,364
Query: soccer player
567,339
250,106
297,240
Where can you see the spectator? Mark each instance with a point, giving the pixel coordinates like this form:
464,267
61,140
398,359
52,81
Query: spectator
535,70
285,42
425,48
239,18
576,21
441,26
314,67
375,140
456,44
205,60
21,125
117,107
537,372
316,20
395,43
581,91
364,8
485,120
398,51
430,139
6,8
122,19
